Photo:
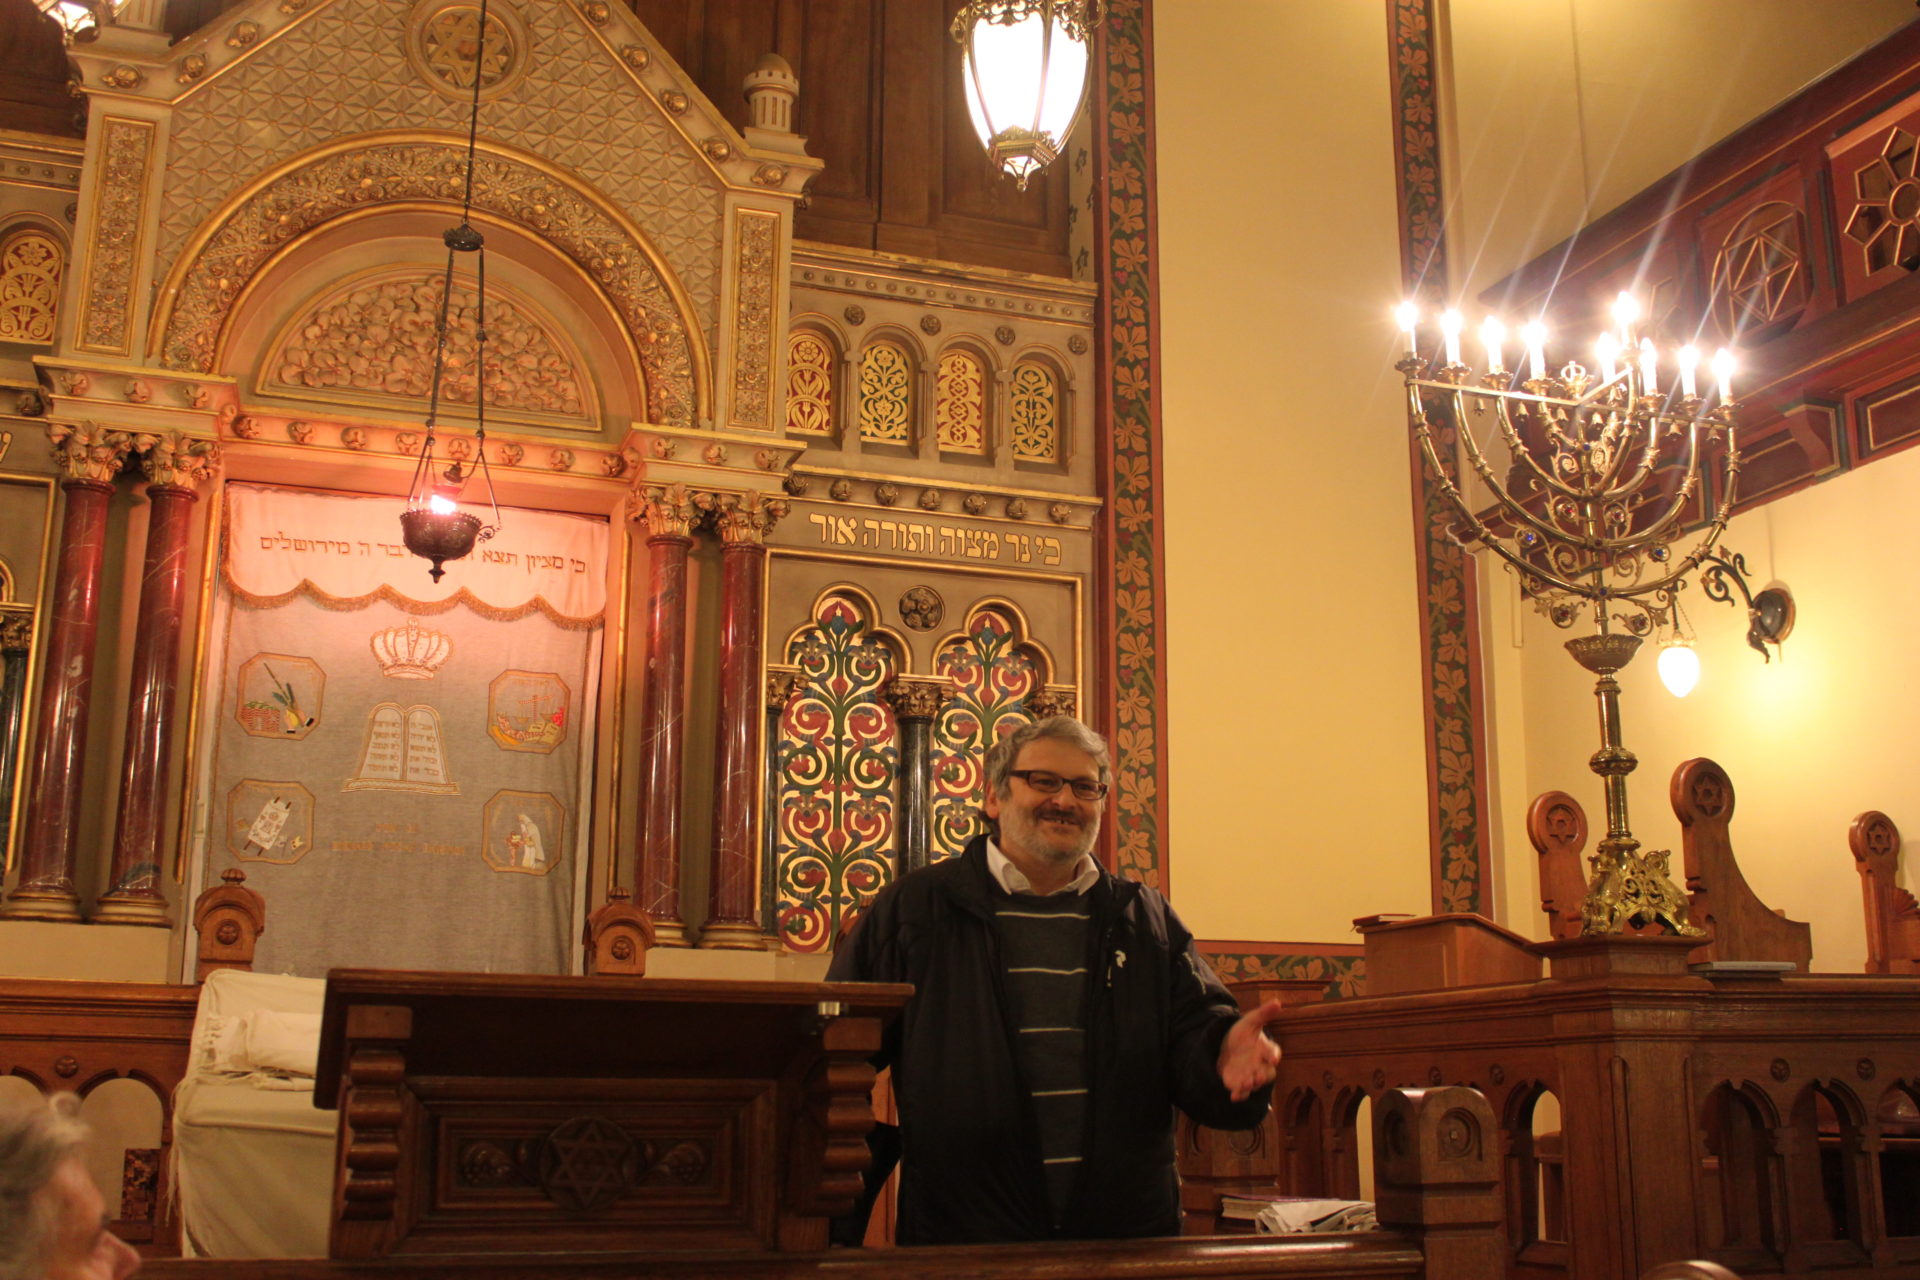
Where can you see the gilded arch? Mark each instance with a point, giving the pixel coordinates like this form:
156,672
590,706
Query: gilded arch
353,174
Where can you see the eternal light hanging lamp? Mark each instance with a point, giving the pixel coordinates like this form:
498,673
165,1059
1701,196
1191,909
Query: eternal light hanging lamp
433,526
1024,64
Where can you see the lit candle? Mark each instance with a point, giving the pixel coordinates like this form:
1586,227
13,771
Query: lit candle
1608,349
1534,334
442,506
1649,364
1451,323
1626,310
1492,335
1723,373
1689,362
1407,316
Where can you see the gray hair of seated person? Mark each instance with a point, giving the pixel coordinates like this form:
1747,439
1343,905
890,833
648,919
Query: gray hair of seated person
34,1142
1001,755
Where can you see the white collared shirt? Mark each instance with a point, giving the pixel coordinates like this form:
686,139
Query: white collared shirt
1014,880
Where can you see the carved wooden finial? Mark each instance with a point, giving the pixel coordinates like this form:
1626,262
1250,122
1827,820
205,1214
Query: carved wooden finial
617,937
229,919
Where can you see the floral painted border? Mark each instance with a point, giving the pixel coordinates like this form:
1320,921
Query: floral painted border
1133,631
1449,615
1342,965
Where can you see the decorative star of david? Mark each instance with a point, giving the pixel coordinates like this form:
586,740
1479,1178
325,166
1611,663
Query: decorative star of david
587,1163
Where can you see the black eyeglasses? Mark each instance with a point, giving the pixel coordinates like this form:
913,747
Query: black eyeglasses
1049,784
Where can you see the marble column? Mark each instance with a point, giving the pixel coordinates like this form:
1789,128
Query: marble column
668,513
916,702
89,458
733,908
784,684
172,464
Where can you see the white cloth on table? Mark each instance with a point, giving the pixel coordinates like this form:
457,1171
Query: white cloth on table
253,1157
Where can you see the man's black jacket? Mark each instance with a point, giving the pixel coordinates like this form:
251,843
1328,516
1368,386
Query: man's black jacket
970,1161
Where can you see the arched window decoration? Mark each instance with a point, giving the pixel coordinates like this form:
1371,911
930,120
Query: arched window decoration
31,262
809,384
1737,1181
993,675
1536,1168
1827,1168
886,395
1035,401
838,758
960,403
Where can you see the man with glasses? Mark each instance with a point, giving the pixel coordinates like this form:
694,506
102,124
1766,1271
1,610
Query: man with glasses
1058,1017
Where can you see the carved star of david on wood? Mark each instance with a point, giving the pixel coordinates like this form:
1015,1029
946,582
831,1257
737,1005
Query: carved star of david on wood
587,1163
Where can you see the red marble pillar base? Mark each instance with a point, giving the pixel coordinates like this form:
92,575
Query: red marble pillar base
134,895
49,831
663,713
732,921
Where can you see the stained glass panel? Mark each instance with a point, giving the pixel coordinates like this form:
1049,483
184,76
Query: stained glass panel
992,680
838,757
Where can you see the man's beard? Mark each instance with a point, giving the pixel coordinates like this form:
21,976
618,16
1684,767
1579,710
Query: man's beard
1023,830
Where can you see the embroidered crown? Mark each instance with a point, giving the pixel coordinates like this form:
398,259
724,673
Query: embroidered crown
410,652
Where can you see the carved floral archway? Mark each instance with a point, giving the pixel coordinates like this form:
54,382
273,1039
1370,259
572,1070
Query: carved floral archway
349,176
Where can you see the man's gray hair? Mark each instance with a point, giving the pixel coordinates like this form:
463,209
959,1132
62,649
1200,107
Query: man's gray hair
1002,754
34,1142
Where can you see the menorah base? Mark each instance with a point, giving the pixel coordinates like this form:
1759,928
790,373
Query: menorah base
1633,888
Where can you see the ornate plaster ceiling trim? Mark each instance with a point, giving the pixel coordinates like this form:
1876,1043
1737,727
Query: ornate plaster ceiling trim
408,168
999,503
737,163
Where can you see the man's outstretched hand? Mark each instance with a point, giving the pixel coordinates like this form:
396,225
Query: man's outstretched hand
1248,1060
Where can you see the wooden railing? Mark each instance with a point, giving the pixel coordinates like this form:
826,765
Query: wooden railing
1648,1110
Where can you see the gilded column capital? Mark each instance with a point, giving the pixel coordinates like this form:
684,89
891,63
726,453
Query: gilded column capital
917,697
88,451
668,511
784,684
177,459
742,519
1054,700
16,630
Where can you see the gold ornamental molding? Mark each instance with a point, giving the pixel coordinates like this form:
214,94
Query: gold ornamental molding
348,176
88,451
135,397
116,236
753,323
742,519
918,697
177,460
667,511
898,277
944,496
784,684
39,162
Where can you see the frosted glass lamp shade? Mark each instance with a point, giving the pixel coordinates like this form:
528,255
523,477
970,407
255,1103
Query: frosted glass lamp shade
1024,65
1679,668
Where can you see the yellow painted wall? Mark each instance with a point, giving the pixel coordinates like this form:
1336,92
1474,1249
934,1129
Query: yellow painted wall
1296,767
